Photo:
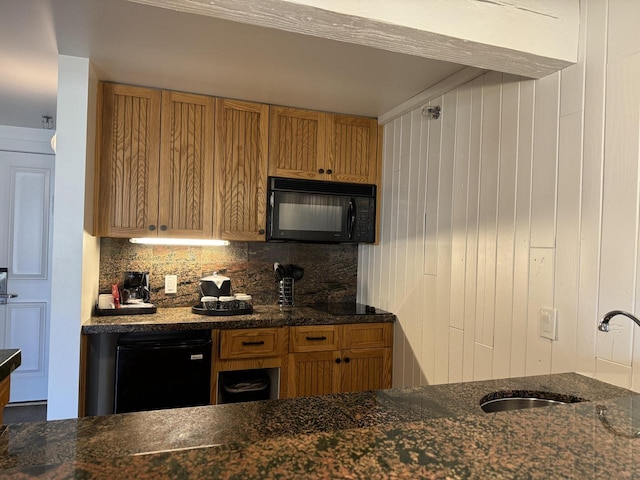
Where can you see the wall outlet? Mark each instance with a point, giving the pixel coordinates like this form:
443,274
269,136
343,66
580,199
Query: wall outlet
549,323
170,284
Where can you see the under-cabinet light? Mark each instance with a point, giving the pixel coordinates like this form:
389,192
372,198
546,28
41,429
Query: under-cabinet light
199,242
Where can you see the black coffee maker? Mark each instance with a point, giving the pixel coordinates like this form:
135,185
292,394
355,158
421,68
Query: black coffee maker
135,287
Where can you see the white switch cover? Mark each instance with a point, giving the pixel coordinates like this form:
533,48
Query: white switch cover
549,323
170,284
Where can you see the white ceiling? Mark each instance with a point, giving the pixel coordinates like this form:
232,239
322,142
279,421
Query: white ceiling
142,45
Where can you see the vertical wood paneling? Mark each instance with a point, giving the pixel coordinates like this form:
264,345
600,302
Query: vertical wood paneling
488,219
459,208
402,296
431,209
619,225
456,347
428,357
591,206
541,270
522,230
568,242
506,225
445,194
535,208
545,152
414,251
473,199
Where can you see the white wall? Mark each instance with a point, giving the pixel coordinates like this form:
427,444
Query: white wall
512,201
73,254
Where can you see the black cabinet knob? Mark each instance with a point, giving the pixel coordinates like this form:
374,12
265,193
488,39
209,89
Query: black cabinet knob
163,227
321,170
152,227
329,171
347,359
261,231
338,360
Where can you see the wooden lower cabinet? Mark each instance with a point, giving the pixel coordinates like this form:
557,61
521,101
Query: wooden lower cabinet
250,349
340,370
314,373
365,369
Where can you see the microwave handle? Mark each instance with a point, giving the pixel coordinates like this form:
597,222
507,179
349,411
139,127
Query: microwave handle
351,219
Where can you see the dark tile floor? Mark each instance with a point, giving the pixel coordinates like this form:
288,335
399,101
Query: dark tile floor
25,412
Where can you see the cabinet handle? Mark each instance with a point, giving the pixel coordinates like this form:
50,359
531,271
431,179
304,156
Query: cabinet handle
321,170
163,227
329,171
347,359
261,231
338,360
316,338
152,227
261,342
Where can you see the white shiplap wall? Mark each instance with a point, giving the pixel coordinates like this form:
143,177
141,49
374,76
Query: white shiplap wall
523,195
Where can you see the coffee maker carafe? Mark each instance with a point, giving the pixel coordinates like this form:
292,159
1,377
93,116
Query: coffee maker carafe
135,287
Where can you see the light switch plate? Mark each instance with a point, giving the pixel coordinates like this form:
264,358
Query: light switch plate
170,284
549,323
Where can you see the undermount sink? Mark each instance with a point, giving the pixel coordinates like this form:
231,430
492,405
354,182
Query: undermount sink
504,401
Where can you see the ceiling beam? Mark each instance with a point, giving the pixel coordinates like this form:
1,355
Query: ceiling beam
532,38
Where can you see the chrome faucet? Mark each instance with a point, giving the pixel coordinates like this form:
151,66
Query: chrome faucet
603,326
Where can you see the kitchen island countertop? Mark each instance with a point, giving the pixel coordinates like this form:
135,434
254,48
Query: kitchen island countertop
430,432
181,318
10,359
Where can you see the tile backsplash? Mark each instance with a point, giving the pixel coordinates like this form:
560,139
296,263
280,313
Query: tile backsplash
329,270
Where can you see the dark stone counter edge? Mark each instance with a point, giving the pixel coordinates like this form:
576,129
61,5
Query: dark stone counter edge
193,322
10,359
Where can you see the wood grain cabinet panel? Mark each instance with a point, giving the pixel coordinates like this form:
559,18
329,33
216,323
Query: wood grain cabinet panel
251,342
128,151
323,146
314,338
365,369
350,358
314,373
352,149
297,143
242,143
367,335
186,166
155,162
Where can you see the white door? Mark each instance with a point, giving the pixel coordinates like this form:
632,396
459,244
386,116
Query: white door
25,243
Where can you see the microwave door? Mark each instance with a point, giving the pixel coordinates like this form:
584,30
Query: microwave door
310,217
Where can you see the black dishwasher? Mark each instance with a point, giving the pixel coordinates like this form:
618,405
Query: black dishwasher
162,370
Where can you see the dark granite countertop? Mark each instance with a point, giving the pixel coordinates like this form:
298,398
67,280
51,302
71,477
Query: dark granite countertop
429,432
10,359
181,318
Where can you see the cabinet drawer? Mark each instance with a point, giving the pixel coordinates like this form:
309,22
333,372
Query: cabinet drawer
317,338
253,342
367,335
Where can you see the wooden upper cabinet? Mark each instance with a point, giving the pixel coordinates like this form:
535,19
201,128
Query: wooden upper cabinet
186,166
297,143
323,146
242,145
352,148
128,152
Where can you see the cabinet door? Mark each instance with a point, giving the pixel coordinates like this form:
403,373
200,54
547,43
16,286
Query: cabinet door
241,170
352,149
314,373
129,142
297,143
186,166
365,369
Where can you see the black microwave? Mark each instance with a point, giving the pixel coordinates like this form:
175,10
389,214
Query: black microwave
319,211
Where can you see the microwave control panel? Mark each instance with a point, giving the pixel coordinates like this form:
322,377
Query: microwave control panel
364,229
